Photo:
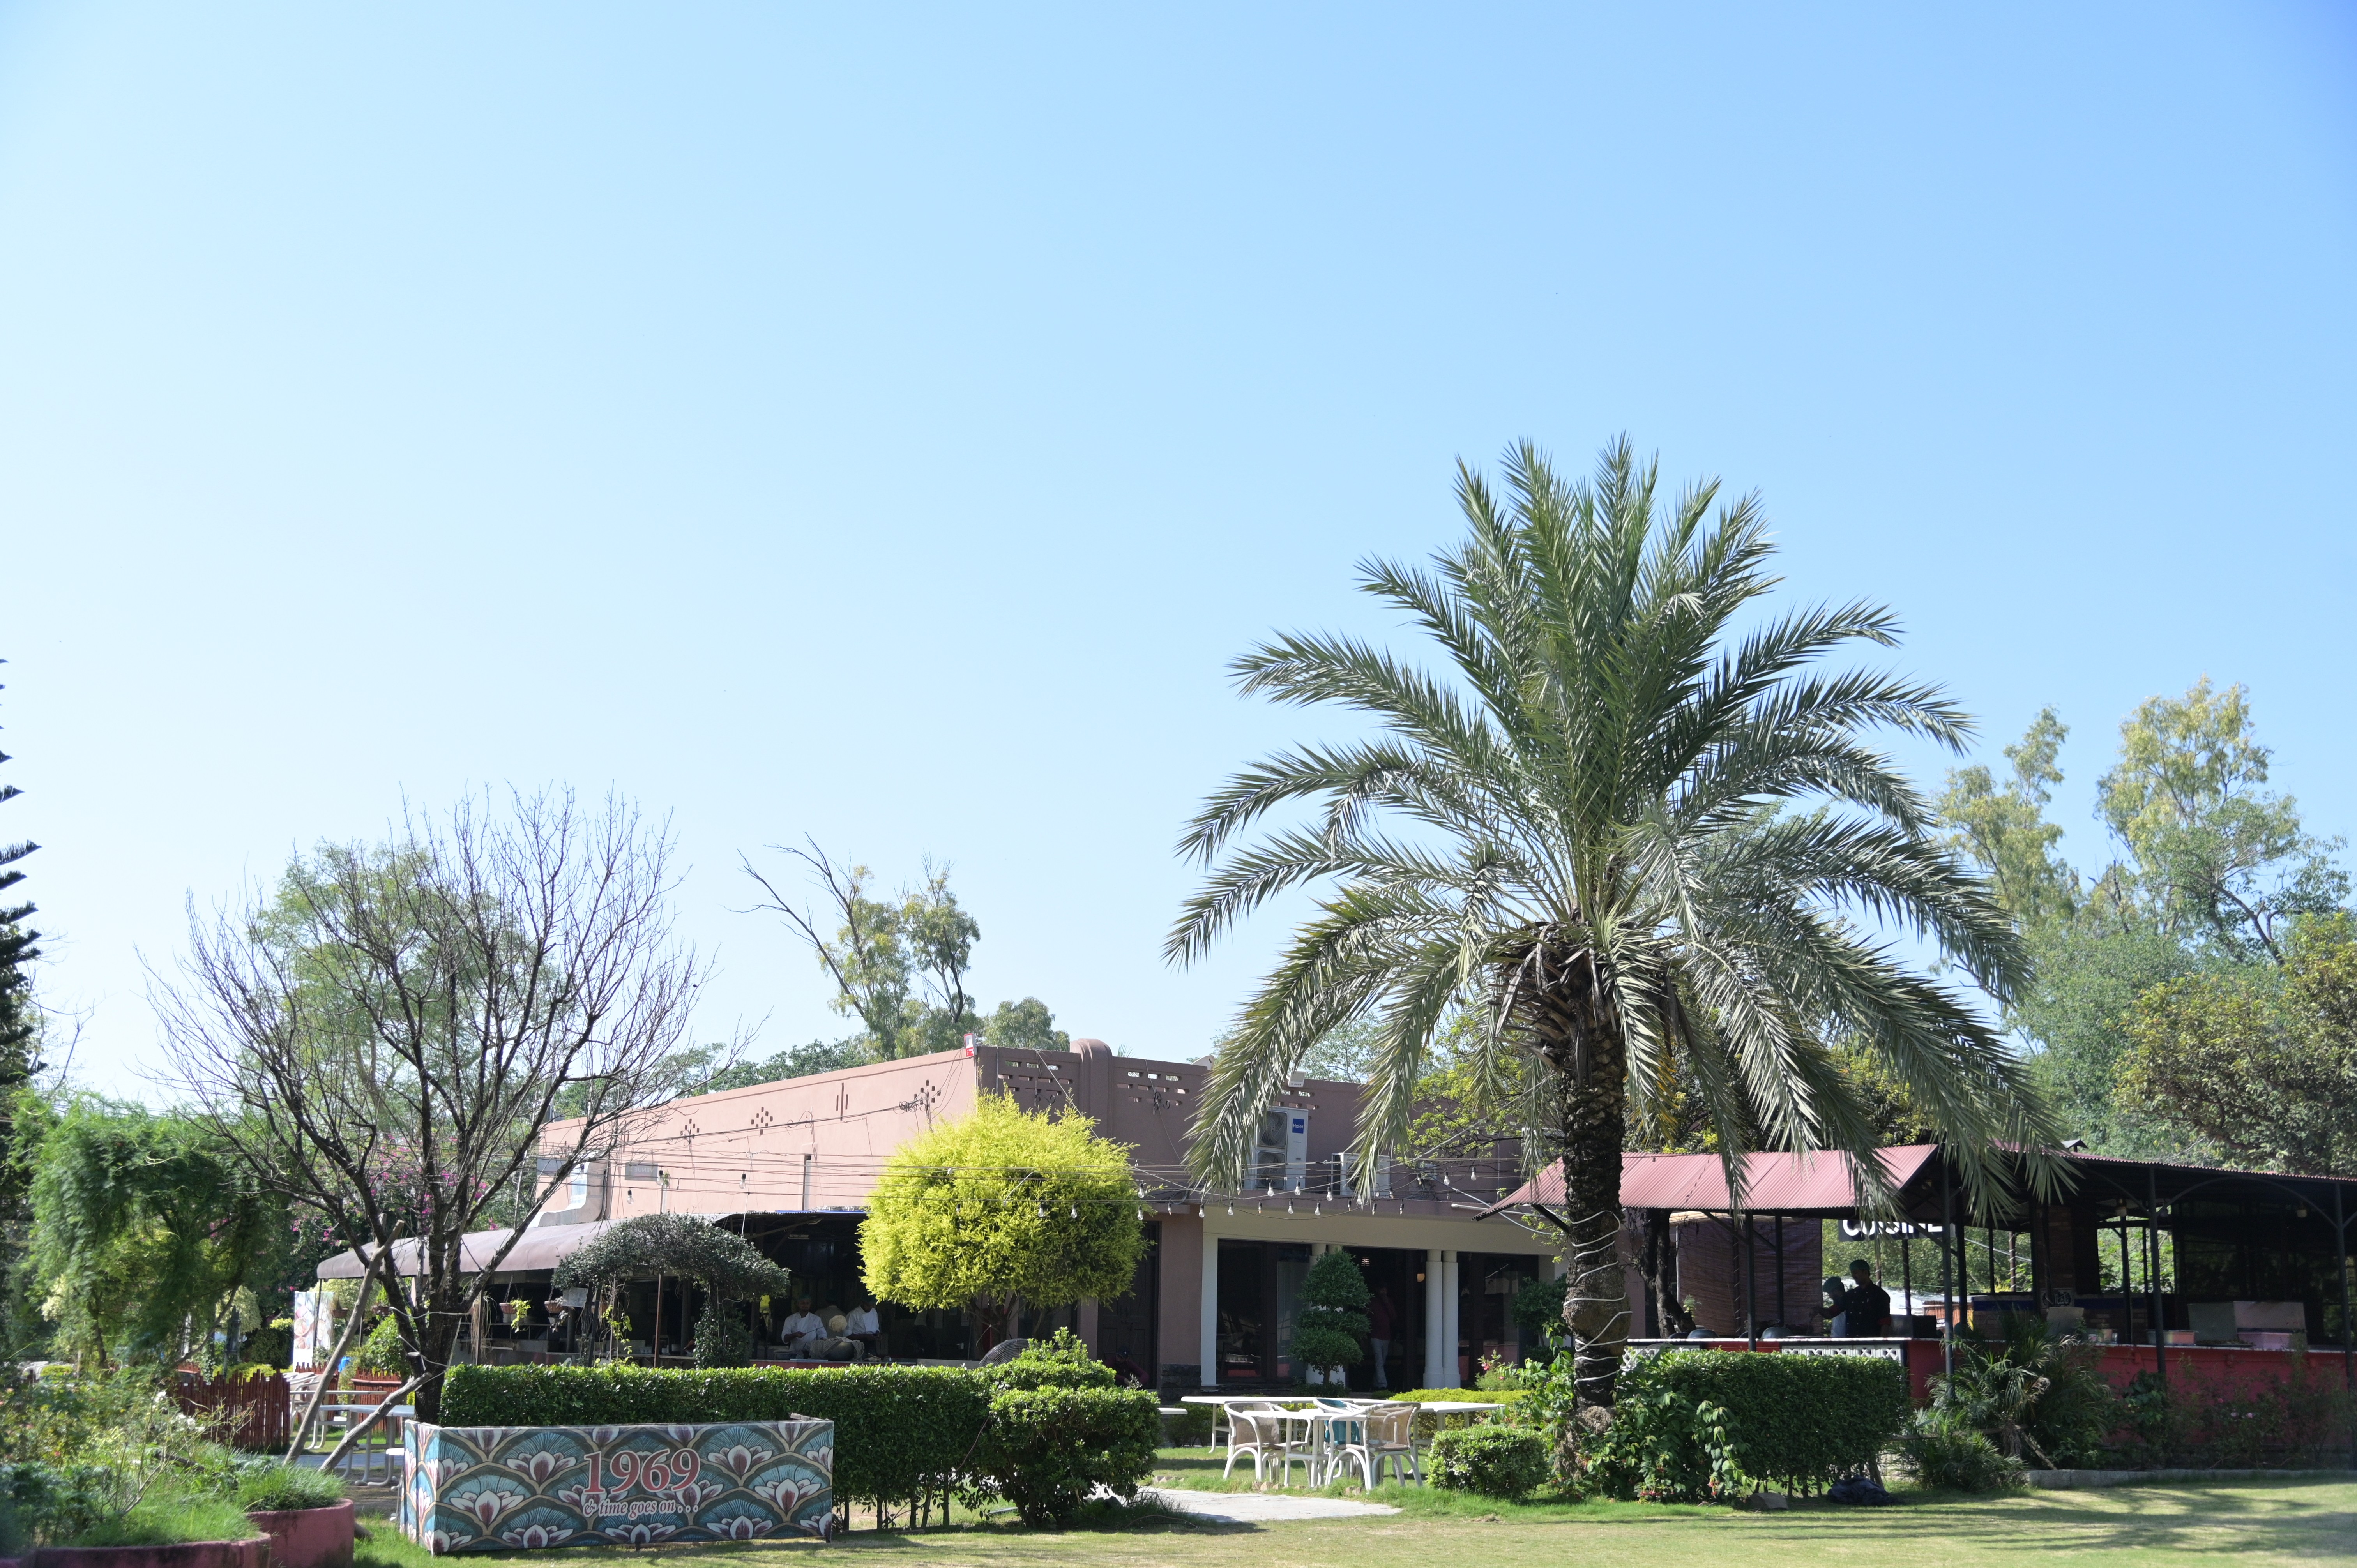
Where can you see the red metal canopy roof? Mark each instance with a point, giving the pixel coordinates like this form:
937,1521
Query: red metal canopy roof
1773,1183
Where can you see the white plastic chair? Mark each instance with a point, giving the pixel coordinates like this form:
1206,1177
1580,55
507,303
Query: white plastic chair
1390,1438
1265,1432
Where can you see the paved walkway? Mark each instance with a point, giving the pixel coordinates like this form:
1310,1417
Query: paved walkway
1260,1508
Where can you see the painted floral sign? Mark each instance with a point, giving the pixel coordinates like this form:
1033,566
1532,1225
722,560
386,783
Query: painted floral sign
495,1488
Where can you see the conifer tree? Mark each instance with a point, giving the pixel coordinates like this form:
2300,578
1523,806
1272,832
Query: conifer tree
1326,1336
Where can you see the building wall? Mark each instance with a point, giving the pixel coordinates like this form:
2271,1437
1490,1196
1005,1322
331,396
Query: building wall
749,1151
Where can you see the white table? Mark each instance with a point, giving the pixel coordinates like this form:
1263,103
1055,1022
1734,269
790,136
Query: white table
368,1458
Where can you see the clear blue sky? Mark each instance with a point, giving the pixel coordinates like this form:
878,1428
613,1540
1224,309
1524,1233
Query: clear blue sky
887,423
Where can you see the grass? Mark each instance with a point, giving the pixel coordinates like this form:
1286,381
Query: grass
2259,1523
168,1521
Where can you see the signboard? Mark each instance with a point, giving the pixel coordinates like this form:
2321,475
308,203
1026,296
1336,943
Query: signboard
315,1325
1893,1351
1866,1229
498,1489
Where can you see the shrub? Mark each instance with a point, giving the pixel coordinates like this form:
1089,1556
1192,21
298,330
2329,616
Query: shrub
273,1347
1326,1337
1799,1422
1048,1449
1538,1308
899,1432
2034,1391
1494,1461
1063,1362
1947,1451
379,1352
2303,1420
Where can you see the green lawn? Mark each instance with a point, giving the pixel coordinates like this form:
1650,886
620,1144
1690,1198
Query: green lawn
2258,1522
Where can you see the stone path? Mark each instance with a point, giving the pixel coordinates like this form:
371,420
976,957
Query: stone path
1260,1508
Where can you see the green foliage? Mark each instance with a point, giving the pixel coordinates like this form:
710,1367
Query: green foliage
1048,1449
276,1488
2213,872
2302,1421
170,1518
86,1450
2215,857
731,1269
18,1031
1435,1417
1627,816
2034,1390
883,951
1945,1450
1063,1361
270,1346
144,1224
1025,1026
801,1061
2258,1064
1326,1333
1537,1308
1798,1421
379,1352
899,1432
1493,1461
1002,1209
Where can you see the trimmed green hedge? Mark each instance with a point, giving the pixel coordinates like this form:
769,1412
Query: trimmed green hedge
901,1432
1799,1422
1048,1449
1428,1422
1494,1461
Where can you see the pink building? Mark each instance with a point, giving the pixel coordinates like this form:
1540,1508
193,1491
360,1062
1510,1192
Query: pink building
790,1164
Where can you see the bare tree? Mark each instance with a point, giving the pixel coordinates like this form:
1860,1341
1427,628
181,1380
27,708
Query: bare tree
387,1036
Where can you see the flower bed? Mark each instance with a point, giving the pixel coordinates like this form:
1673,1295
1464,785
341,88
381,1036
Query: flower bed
495,1488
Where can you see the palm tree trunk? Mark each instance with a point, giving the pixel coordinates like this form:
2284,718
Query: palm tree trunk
1581,1034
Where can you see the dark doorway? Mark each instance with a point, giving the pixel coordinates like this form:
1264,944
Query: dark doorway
1260,1294
1399,1275
1128,1326
1487,1284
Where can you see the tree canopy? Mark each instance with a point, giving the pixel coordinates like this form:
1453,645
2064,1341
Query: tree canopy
144,1226
1003,1209
681,1245
2187,925
1633,820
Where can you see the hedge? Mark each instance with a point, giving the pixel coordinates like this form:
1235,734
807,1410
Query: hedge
1802,1421
1048,1450
1493,1461
1432,1421
901,1432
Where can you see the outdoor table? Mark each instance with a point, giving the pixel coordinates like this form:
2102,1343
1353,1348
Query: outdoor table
352,1413
1220,1402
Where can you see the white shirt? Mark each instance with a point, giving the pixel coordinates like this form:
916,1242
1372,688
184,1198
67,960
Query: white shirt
803,1325
863,1321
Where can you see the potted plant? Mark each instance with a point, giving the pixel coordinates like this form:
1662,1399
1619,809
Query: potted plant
304,1512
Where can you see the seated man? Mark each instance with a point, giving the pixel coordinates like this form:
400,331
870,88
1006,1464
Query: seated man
803,1331
862,1325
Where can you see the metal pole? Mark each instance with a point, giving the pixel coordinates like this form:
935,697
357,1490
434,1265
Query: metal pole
1751,1289
2152,1277
1947,1289
1907,1277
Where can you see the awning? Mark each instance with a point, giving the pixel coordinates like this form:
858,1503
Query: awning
542,1247
1773,1183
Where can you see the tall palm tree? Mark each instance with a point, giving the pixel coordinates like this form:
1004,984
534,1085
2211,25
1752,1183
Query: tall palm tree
1635,825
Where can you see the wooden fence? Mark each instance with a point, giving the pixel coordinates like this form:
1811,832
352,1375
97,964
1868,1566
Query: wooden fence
244,1412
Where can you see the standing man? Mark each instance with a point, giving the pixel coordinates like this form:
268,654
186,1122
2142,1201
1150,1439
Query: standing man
1381,1318
1867,1305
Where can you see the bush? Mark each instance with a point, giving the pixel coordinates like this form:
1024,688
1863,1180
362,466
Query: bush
2302,1421
1494,1461
273,1347
380,1353
1799,1422
1048,1449
1326,1336
2034,1391
1946,1451
899,1432
1062,1362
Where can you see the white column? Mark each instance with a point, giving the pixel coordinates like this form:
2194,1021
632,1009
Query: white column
1435,1324
1448,1301
1210,1349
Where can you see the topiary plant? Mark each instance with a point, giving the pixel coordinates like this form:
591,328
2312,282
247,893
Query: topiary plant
1326,1337
1494,1461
